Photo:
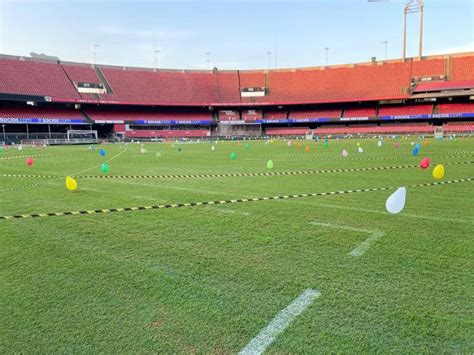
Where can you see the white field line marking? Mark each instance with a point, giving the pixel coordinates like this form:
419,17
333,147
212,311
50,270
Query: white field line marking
278,324
358,209
362,247
229,211
145,198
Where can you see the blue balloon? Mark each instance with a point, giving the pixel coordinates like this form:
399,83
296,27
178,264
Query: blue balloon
415,151
102,152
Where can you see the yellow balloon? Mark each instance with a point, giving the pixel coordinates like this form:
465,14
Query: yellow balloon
358,144
71,184
438,171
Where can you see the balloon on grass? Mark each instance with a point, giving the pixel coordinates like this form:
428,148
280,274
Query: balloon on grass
233,156
29,161
71,184
270,164
105,168
360,150
326,143
426,143
425,163
289,143
396,202
307,149
102,152
379,143
213,148
345,153
158,155
438,172
415,151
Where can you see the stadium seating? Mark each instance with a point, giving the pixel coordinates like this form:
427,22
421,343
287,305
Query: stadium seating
452,127
129,115
359,112
275,114
373,129
167,133
251,115
456,108
405,110
303,114
229,115
33,77
295,131
343,83
43,113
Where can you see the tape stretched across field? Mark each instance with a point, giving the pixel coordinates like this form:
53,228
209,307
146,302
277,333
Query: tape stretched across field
224,202
270,173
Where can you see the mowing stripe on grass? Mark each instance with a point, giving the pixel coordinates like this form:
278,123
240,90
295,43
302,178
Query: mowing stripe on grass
224,202
362,247
278,324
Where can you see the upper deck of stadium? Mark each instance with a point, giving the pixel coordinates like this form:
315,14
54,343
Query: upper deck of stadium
370,81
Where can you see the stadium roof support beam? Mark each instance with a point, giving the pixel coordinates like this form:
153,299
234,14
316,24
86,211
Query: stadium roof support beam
413,6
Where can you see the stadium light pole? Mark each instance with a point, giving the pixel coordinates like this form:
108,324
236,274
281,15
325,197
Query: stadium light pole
386,48
269,53
94,50
207,59
327,55
413,6
4,135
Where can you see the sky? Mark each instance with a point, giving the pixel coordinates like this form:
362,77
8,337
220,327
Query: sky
237,34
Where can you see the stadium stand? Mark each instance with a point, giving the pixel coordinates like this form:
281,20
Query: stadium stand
458,127
360,112
43,113
456,108
167,133
229,115
251,115
303,114
33,77
373,129
405,110
275,114
295,131
134,115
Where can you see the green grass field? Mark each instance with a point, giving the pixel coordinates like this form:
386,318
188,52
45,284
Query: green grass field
209,278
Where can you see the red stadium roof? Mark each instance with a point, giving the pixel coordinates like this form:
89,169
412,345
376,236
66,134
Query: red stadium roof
383,80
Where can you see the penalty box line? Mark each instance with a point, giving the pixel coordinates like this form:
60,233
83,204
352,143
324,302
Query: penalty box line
224,202
359,250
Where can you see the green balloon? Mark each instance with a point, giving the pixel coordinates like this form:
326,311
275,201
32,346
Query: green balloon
270,164
105,168
247,146
158,155
233,156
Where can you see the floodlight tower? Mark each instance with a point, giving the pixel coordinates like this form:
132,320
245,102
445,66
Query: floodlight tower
413,6
94,52
327,55
269,54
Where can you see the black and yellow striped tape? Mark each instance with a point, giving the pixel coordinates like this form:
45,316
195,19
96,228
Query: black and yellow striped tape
223,202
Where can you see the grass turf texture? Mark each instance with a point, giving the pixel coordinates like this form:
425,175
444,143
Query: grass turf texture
208,279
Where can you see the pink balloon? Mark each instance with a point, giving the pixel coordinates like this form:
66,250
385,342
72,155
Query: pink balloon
345,153
425,163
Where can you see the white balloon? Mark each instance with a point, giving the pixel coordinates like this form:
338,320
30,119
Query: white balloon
379,143
361,150
396,202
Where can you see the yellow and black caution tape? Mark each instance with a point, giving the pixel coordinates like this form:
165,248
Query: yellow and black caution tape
223,202
268,173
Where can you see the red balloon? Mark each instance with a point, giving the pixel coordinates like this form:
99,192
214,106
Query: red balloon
425,163
29,161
